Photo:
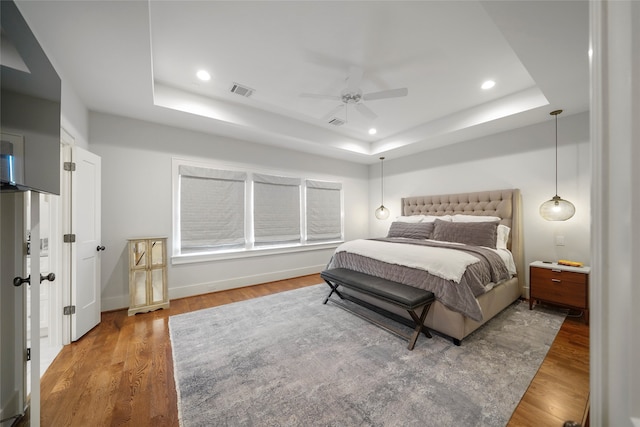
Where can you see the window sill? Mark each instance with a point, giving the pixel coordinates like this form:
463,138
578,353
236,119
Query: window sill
248,253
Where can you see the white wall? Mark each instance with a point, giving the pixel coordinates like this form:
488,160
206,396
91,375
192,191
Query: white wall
522,158
75,116
136,201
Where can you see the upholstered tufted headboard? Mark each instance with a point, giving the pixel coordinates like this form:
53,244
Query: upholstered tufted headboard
505,204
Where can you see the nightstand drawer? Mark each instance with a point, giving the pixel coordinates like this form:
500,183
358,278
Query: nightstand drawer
557,276
566,293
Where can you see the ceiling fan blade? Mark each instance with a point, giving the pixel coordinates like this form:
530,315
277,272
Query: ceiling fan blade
366,111
331,114
390,93
320,96
354,79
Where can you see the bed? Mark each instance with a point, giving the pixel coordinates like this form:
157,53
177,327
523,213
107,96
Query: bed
456,218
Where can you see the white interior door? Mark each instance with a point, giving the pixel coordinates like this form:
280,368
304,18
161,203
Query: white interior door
50,291
85,254
34,296
12,307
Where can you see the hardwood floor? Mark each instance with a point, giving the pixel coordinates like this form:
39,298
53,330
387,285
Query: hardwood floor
560,390
121,372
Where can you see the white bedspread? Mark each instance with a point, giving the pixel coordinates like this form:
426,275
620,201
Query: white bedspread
447,264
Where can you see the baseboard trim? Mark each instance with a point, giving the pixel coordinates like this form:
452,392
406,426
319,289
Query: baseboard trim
122,302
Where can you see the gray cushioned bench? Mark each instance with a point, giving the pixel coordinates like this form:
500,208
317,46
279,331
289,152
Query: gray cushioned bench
397,294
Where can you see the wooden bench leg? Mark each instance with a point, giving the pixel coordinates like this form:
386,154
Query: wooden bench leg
419,325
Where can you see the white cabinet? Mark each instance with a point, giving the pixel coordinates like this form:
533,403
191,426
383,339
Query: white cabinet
147,274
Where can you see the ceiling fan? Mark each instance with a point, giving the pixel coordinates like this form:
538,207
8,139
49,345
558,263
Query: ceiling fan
352,94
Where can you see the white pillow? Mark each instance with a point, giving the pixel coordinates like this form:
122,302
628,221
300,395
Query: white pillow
503,236
432,218
474,218
423,218
410,218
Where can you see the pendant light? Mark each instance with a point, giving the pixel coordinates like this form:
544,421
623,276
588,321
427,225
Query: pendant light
557,209
382,212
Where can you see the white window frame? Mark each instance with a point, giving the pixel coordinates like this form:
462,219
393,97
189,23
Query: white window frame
249,249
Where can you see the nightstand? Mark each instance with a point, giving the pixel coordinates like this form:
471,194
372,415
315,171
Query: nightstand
561,285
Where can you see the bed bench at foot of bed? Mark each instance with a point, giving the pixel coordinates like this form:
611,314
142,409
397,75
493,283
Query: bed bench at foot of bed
394,293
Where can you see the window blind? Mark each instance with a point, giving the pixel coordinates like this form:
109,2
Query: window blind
324,213
212,208
276,209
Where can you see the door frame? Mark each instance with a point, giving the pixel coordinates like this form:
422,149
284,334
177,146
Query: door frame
64,227
55,262
75,326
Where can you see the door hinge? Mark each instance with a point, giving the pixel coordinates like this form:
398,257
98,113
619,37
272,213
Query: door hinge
69,238
69,166
69,310
28,354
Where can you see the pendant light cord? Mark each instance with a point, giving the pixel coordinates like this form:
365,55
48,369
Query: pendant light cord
381,181
555,114
556,154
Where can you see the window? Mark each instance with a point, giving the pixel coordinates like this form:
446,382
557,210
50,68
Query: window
212,209
324,216
276,209
222,211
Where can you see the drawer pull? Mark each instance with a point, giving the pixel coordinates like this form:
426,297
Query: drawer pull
556,280
556,271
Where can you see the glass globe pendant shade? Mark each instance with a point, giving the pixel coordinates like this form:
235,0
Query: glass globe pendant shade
382,212
557,209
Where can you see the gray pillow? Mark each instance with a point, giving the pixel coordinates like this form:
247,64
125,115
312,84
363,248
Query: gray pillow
469,233
411,230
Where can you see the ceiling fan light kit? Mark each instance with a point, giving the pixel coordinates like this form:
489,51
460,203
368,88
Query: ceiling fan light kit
352,94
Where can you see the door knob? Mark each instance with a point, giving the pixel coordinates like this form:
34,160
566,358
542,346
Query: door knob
18,281
50,277
100,248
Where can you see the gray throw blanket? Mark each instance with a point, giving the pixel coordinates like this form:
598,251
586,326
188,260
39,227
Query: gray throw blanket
459,297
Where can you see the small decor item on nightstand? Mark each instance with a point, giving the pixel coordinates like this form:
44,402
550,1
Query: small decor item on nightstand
147,275
570,263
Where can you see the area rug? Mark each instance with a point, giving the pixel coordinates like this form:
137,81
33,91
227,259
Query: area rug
288,360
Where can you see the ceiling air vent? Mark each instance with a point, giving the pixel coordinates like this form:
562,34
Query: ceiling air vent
336,121
241,90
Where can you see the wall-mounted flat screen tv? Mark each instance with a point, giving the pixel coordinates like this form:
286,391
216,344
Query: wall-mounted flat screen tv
29,109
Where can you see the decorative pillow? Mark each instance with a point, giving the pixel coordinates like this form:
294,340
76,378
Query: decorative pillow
411,230
469,233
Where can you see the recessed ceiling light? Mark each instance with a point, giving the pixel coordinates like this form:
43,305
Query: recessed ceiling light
488,84
203,75
373,131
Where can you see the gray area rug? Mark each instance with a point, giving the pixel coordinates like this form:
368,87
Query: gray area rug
288,360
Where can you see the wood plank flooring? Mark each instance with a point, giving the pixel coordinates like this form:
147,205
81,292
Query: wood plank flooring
121,372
